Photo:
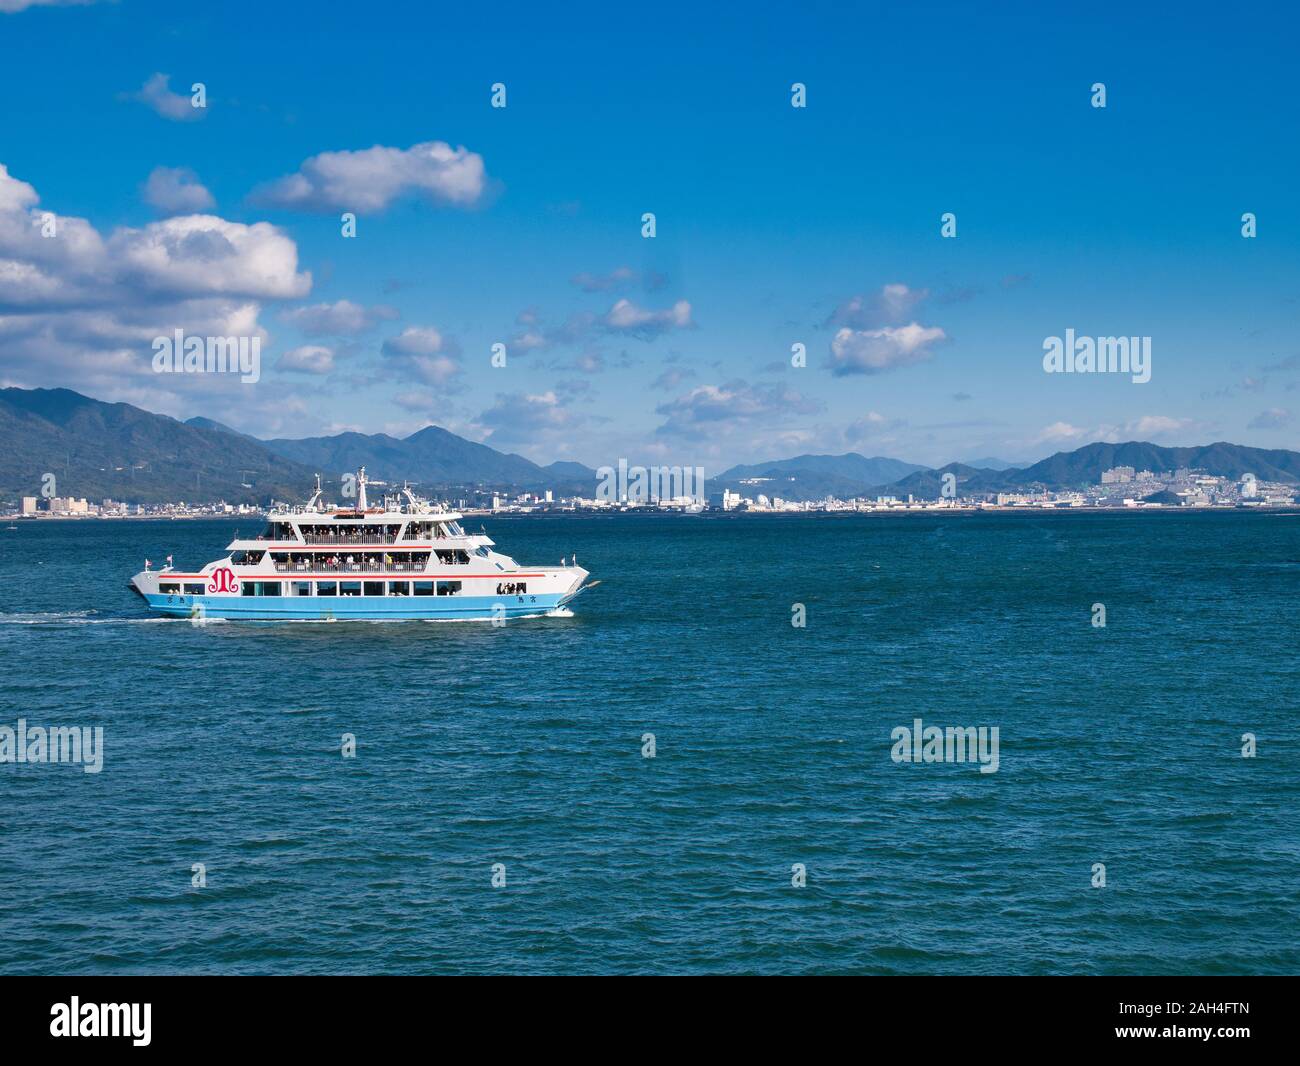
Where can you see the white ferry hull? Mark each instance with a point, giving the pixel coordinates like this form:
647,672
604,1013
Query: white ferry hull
566,584
354,608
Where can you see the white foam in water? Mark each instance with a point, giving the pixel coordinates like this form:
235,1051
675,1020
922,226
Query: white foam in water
67,618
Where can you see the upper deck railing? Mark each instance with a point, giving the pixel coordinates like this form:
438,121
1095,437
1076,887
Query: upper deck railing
345,538
354,567
433,511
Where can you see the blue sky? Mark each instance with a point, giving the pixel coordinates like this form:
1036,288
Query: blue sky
775,225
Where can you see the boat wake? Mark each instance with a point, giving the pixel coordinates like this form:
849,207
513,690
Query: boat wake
66,618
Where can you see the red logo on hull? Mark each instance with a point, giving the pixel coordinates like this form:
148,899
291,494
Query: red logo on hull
223,580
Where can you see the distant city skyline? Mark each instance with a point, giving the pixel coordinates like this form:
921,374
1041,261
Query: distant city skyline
127,214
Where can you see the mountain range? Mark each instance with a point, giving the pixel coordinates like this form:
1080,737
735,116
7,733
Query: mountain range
1084,466
114,450
103,450
812,477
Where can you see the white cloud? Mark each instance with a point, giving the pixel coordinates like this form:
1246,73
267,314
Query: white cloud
537,335
10,7
423,400
157,95
186,257
1273,418
872,337
176,191
519,418
587,363
423,353
15,195
415,340
708,410
603,282
893,303
373,178
1156,426
1060,431
1146,427
528,341
622,277
873,351
204,254
309,358
873,426
81,309
623,319
672,377
627,317
338,319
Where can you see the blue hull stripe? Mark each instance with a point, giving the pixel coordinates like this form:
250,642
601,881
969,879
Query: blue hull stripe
350,608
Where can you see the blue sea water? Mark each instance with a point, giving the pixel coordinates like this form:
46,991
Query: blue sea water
522,746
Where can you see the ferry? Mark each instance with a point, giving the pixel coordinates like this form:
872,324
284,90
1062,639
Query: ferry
405,559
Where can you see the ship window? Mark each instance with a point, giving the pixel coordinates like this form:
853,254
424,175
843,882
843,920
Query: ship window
299,588
424,588
349,588
259,588
373,588
194,589
327,588
448,588
169,586
399,588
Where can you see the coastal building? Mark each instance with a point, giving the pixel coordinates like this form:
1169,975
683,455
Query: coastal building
67,505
